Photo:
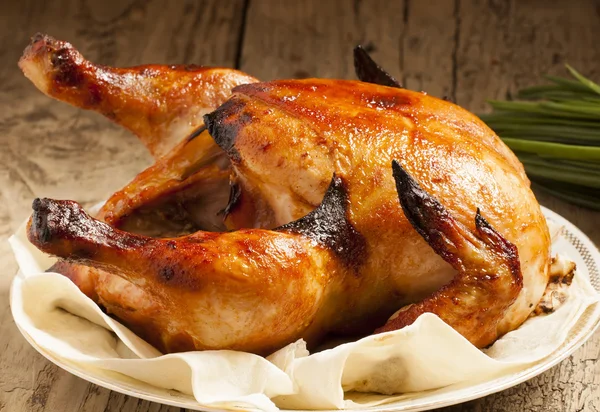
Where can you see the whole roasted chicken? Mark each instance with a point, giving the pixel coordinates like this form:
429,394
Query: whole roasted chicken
293,208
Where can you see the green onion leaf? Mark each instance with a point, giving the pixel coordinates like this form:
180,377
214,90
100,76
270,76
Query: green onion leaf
555,132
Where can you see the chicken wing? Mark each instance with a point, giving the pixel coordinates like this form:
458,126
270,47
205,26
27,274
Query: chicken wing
368,71
488,270
159,104
182,192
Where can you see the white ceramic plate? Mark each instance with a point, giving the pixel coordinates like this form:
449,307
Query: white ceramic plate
573,244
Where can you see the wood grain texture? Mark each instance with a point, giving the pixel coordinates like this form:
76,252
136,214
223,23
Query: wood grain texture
315,39
468,50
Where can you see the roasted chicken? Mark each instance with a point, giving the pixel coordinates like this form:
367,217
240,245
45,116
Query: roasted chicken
452,228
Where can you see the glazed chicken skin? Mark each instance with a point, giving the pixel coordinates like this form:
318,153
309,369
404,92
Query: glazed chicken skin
284,140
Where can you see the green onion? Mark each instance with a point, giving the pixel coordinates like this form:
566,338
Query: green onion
520,118
570,193
586,82
555,131
555,150
561,172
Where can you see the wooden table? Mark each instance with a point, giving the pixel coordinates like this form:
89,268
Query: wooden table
468,50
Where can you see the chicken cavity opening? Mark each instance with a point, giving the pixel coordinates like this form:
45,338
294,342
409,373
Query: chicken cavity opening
197,206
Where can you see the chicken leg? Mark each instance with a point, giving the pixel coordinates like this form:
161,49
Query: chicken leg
213,290
160,104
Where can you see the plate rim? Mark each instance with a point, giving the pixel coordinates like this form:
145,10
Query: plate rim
486,387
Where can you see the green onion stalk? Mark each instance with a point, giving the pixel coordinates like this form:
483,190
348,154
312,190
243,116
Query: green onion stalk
554,129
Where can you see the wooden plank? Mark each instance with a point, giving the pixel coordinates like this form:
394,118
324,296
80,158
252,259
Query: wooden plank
428,48
316,38
51,149
410,39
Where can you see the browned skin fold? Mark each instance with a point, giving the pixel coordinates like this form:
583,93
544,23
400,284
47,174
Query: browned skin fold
160,104
488,270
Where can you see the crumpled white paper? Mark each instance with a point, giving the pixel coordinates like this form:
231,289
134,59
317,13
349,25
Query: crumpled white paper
426,355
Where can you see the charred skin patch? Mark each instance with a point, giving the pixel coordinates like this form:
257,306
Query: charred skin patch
424,212
166,273
235,192
370,72
502,246
225,123
39,223
66,71
329,226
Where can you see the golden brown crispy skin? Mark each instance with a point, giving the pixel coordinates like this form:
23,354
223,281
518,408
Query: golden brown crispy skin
285,138
160,104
